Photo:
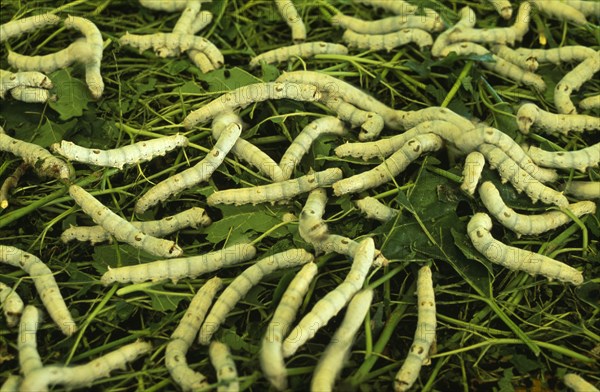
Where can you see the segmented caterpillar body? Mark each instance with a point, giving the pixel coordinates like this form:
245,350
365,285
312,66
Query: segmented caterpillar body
503,7
374,209
289,13
560,10
467,20
32,94
398,7
517,259
166,5
572,81
588,8
305,50
78,51
578,383
530,114
567,53
429,23
528,63
10,81
578,159
222,361
584,189
387,41
371,123
588,103
29,358
44,282
12,304
15,28
474,163
11,384
179,268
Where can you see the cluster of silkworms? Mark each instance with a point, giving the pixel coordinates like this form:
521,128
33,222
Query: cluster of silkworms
528,168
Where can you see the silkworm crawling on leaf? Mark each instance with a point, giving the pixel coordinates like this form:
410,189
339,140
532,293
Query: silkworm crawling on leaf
29,358
305,50
15,28
474,163
179,268
529,114
330,305
44,282
332,360
244,282
503,7
371,123
389,168
583,189
429,23
578,383
12,304
572,81
528,63
222,361
84,375
283,190
193,217
289,13
374,209
561,11
10,81
79,51
517,259
166,5
183,337
119,228
387,41
119,157
588,103
528,224
579,159
271,351
564,54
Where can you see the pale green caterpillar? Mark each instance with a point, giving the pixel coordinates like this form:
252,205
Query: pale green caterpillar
11,384
332,360
558,55
374,209
579,159
578,383
503,7
530,114
222,361
78,51
15,28
12,304
474,163
528,63
32,94
289,13
429,23
371,123
424,338
29,358
572,81
271,351
561,11
44,282
305,50
166,5
183,336
588,8
387,41
588,103
467,20
179,268
10,81
583,189
122,230
517,259
244,282
398,7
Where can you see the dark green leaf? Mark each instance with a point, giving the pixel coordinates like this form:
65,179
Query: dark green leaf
72,95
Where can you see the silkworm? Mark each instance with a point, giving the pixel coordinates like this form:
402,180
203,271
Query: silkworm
528,63
530,114
29,358
15,28
332,360
119,157
572,81
467,20
528,224
588,8
271,354
193,217
32,94
244,96
183,336
588,103
119,228
187,18
374,209
387,41
474,163
371,123
244,282
194,175
517,259
202,20
10,182
578,383
79,51
579,159
558,55
429,23
179,268
389,168
289,13
165,5
222,361
84,375
503,7
330,305
44,282
11,383
10,80
305,50
398,7
561,11
424,334
583,189
12,304
283,190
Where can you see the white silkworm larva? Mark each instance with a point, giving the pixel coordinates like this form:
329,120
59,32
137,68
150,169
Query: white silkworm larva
202,20
578,384
474,163
579,159
371,123
511,171
331,304
583,189
179,268
189,14
44,283
193,217
11,384
398,7
84,375
389,168
183,336
194,175
10,80
374,209
467,20
31,94
517,259
305,50
119,157
244,282
17,27
503,7
528,63
93,37
429,23
12,304
271,354
332,360
289,13
424,334
528,224
588,8
244,96
165,5
122,230
588,103
560,10
311,227
558,55
222,361
530,114
78,51
387,41
29,358
283,190
572,81
327,125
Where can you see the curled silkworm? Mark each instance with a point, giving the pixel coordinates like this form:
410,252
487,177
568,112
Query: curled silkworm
374,209
244,282
424,335
12,304
560,10
503,7
558,55
387,41
429,23
15,28
572,81
179,268
578,159
119,228
517,259
467,20
528,63
371,123
332,360
578,383
289,13
32,94
29,358
222,361
305,50
530,114
583,189
474,163
10,182
528,224
10,81
588,103
166,5
44,282
78,51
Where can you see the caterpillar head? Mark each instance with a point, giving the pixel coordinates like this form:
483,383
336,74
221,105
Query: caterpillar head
526,116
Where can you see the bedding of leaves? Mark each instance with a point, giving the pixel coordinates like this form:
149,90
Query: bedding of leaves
498,330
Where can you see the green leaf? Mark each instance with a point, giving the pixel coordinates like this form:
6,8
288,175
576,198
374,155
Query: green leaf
240,220
228,79
524,365
47,134
72,95
162,301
